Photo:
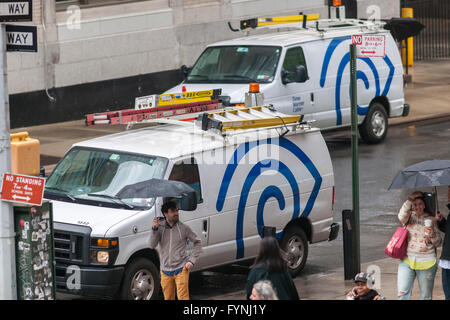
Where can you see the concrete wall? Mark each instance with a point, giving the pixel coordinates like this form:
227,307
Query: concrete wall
144,37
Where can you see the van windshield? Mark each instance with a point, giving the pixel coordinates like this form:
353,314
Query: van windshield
236,64
89,175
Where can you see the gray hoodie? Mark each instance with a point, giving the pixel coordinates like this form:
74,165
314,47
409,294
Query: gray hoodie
173,243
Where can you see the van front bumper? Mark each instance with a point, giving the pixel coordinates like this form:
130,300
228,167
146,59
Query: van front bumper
334,230
88,281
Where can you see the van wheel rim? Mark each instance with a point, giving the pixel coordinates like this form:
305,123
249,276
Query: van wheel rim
295,252
142,285
378,124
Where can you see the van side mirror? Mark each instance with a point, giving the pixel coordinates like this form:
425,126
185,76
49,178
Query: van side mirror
184,71
188,202
299,75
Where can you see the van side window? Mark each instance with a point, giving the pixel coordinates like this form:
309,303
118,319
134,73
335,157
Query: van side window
293,58
187,171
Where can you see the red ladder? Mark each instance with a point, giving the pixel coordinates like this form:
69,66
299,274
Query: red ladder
183,111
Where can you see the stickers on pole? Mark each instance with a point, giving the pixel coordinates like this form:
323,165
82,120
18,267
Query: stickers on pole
22,189
369,45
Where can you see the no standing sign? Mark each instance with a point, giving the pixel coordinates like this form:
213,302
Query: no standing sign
369,45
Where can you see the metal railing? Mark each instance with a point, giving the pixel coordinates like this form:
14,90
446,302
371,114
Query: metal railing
434,41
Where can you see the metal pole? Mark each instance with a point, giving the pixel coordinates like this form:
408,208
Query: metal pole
355,164
8,289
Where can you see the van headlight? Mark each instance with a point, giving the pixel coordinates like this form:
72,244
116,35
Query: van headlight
103,257
104,251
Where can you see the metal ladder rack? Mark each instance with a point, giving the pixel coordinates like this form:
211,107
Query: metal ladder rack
245,118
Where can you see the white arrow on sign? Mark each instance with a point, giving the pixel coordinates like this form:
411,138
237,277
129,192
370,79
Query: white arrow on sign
15,197
20,8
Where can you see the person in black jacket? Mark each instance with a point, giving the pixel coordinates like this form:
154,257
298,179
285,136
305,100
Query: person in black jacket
444,262
270,265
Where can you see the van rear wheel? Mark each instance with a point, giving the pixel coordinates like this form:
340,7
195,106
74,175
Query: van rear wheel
375,126
141,281
295,244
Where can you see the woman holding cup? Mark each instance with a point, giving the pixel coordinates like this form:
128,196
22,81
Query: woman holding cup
423,239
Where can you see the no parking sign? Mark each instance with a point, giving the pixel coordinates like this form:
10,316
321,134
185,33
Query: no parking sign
369,45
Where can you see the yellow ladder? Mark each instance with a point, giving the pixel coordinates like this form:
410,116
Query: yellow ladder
270,21
245,118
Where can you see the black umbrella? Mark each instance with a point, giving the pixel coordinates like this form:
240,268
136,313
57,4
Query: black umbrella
160,188
430,173
403,28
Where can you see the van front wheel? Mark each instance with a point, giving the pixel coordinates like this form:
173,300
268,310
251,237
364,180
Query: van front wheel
375,126
141,281
295,244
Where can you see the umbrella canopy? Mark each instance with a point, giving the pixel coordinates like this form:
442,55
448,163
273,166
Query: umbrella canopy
155,188
403,28
431,173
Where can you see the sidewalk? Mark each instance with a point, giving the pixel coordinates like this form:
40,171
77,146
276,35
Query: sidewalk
428,96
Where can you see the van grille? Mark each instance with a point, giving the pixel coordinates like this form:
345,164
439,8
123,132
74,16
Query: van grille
71,243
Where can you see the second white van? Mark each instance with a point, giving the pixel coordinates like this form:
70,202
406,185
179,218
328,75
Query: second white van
306,71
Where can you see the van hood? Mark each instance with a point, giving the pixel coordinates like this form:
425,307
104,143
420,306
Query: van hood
236,92
99,219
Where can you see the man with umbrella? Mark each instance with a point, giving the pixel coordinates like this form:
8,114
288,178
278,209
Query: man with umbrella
444,262
172,235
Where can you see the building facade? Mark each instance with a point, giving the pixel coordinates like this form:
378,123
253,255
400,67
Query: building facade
97,55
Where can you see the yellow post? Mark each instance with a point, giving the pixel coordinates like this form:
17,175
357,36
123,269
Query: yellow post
408,13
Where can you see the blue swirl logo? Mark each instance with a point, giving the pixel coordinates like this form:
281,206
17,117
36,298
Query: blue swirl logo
360,75
270,191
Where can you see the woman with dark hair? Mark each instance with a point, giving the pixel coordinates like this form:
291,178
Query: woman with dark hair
423,239
270,265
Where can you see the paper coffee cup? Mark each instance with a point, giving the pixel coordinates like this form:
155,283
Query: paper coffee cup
428,223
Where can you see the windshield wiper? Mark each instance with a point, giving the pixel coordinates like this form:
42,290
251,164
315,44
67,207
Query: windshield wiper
55,189
240,77
62,191
107,196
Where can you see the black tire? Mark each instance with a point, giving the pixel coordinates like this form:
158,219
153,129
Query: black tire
141,281
295,244
375,126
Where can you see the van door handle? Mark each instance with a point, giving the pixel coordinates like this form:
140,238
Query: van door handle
312,97
205,226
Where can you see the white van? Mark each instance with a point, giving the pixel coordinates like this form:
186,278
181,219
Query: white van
244,181
306,71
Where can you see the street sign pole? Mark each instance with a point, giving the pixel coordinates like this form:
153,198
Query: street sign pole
355,163
8,289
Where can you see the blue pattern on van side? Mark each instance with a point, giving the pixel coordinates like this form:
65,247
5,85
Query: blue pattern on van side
270,191
360,76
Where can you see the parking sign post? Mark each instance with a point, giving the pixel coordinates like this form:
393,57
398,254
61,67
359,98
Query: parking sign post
355,161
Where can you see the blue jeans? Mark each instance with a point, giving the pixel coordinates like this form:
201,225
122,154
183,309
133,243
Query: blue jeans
446,283
405,281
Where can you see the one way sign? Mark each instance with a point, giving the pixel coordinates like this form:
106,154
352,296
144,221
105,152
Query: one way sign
21,38
16,10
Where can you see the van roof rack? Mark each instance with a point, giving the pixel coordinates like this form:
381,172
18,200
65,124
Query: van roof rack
274,21
184,105
245,118
306,22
